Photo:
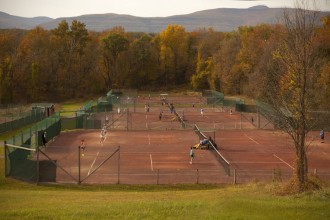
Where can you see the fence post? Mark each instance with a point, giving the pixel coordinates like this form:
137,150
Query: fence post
36,138
79,165
76,126
30,137
118,181
131,119
197,176
134,101
273,175
38,168
112,119
234,176
127,117
5,153
315,172
258,118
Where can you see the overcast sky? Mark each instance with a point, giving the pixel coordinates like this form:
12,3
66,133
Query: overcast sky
141,8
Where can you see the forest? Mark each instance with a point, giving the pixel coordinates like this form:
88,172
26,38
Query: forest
71,62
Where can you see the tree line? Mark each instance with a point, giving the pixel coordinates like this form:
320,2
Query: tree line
72,62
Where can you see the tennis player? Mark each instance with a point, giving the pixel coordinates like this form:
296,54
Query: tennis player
103,134
44,138
192,154
82,146
322,135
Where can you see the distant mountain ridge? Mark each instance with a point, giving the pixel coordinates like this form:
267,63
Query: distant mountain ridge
220,19
8,21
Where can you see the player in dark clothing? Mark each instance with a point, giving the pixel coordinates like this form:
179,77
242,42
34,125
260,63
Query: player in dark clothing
43,137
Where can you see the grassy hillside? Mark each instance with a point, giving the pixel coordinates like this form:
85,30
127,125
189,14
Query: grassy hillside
24,201
19,200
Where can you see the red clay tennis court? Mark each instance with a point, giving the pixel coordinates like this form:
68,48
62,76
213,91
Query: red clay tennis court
156,151
269,154
145,157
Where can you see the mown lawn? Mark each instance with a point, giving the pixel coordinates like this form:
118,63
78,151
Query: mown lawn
254,201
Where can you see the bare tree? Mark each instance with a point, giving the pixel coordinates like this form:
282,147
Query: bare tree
291,92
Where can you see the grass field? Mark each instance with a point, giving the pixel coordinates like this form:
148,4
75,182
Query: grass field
20,200
24,201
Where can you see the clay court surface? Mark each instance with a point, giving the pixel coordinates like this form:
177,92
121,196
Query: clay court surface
156,151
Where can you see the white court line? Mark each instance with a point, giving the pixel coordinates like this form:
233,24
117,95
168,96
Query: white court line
149,139
93,163
151,164
249,162
199,162
252,139
96,155
283,161
152,152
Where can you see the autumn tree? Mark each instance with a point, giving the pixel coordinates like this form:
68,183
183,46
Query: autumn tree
323,47
254,41
207,44
113,44
9,64
291,94
224,61
201,80
68,44
173,43
34,52
143,66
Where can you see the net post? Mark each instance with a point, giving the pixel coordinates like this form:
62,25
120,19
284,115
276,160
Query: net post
79,165
118,180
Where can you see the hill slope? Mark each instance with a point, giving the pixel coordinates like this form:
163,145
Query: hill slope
221,19
10,21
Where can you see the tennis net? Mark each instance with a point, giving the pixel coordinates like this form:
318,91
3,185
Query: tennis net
180,119
217,154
